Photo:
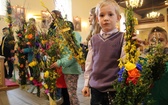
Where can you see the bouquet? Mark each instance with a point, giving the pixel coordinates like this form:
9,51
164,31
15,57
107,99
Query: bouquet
134,81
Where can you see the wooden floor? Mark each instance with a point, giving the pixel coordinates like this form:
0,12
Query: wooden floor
20,97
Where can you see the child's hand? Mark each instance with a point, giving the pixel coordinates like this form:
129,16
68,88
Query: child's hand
83,67
86,91
18,48
54,65
140,42
21,51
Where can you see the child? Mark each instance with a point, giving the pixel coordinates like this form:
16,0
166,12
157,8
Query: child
94,29
70,68
61,88
94,26
159,90
62,92
105,52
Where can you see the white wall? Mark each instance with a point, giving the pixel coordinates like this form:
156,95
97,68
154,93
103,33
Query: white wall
34,6
81,9
31,6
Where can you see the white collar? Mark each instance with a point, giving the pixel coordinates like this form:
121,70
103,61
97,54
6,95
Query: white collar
110,32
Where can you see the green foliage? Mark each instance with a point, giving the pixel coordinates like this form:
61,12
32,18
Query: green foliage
9,11
153,67
60,40
157,61
132,89
133,94
21,56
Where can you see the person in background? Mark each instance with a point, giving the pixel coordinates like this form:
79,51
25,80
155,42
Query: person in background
70,68
102,71
159,91
71,31
94,26
62,93
55,15
7,50
61,88
94,29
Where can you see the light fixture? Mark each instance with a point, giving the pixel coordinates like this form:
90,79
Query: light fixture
153,14
166,2
134,3
84,24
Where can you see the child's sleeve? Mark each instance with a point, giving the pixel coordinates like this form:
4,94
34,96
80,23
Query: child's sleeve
27,50
66,61
122,42
88,65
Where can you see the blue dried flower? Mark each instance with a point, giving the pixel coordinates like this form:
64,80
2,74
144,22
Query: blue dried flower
120,79
121,71
139,66
37,44
38,56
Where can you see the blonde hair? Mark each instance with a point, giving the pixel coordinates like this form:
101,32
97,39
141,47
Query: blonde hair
107,2
95,28
92,11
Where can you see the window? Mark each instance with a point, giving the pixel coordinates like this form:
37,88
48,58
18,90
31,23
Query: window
65,6
3,7
122,23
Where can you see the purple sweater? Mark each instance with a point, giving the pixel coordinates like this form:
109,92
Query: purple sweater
106,52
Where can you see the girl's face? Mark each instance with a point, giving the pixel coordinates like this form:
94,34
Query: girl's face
157,38
107,18
91,17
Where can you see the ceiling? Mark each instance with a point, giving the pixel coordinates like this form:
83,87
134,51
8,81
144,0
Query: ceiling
147,6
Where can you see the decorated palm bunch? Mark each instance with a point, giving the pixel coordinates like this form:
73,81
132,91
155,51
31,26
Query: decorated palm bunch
9,13
66,37
50,42
33,42
133,83
21,56
50,53
9,21
59,37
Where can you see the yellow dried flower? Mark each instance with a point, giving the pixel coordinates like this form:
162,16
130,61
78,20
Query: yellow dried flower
46,74
33,63
31,78
26,36
45,86
129,66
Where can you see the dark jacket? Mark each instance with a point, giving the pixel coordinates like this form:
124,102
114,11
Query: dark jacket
7,45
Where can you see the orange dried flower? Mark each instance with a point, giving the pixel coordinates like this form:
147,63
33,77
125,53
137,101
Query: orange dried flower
21,65
134,73
30,36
